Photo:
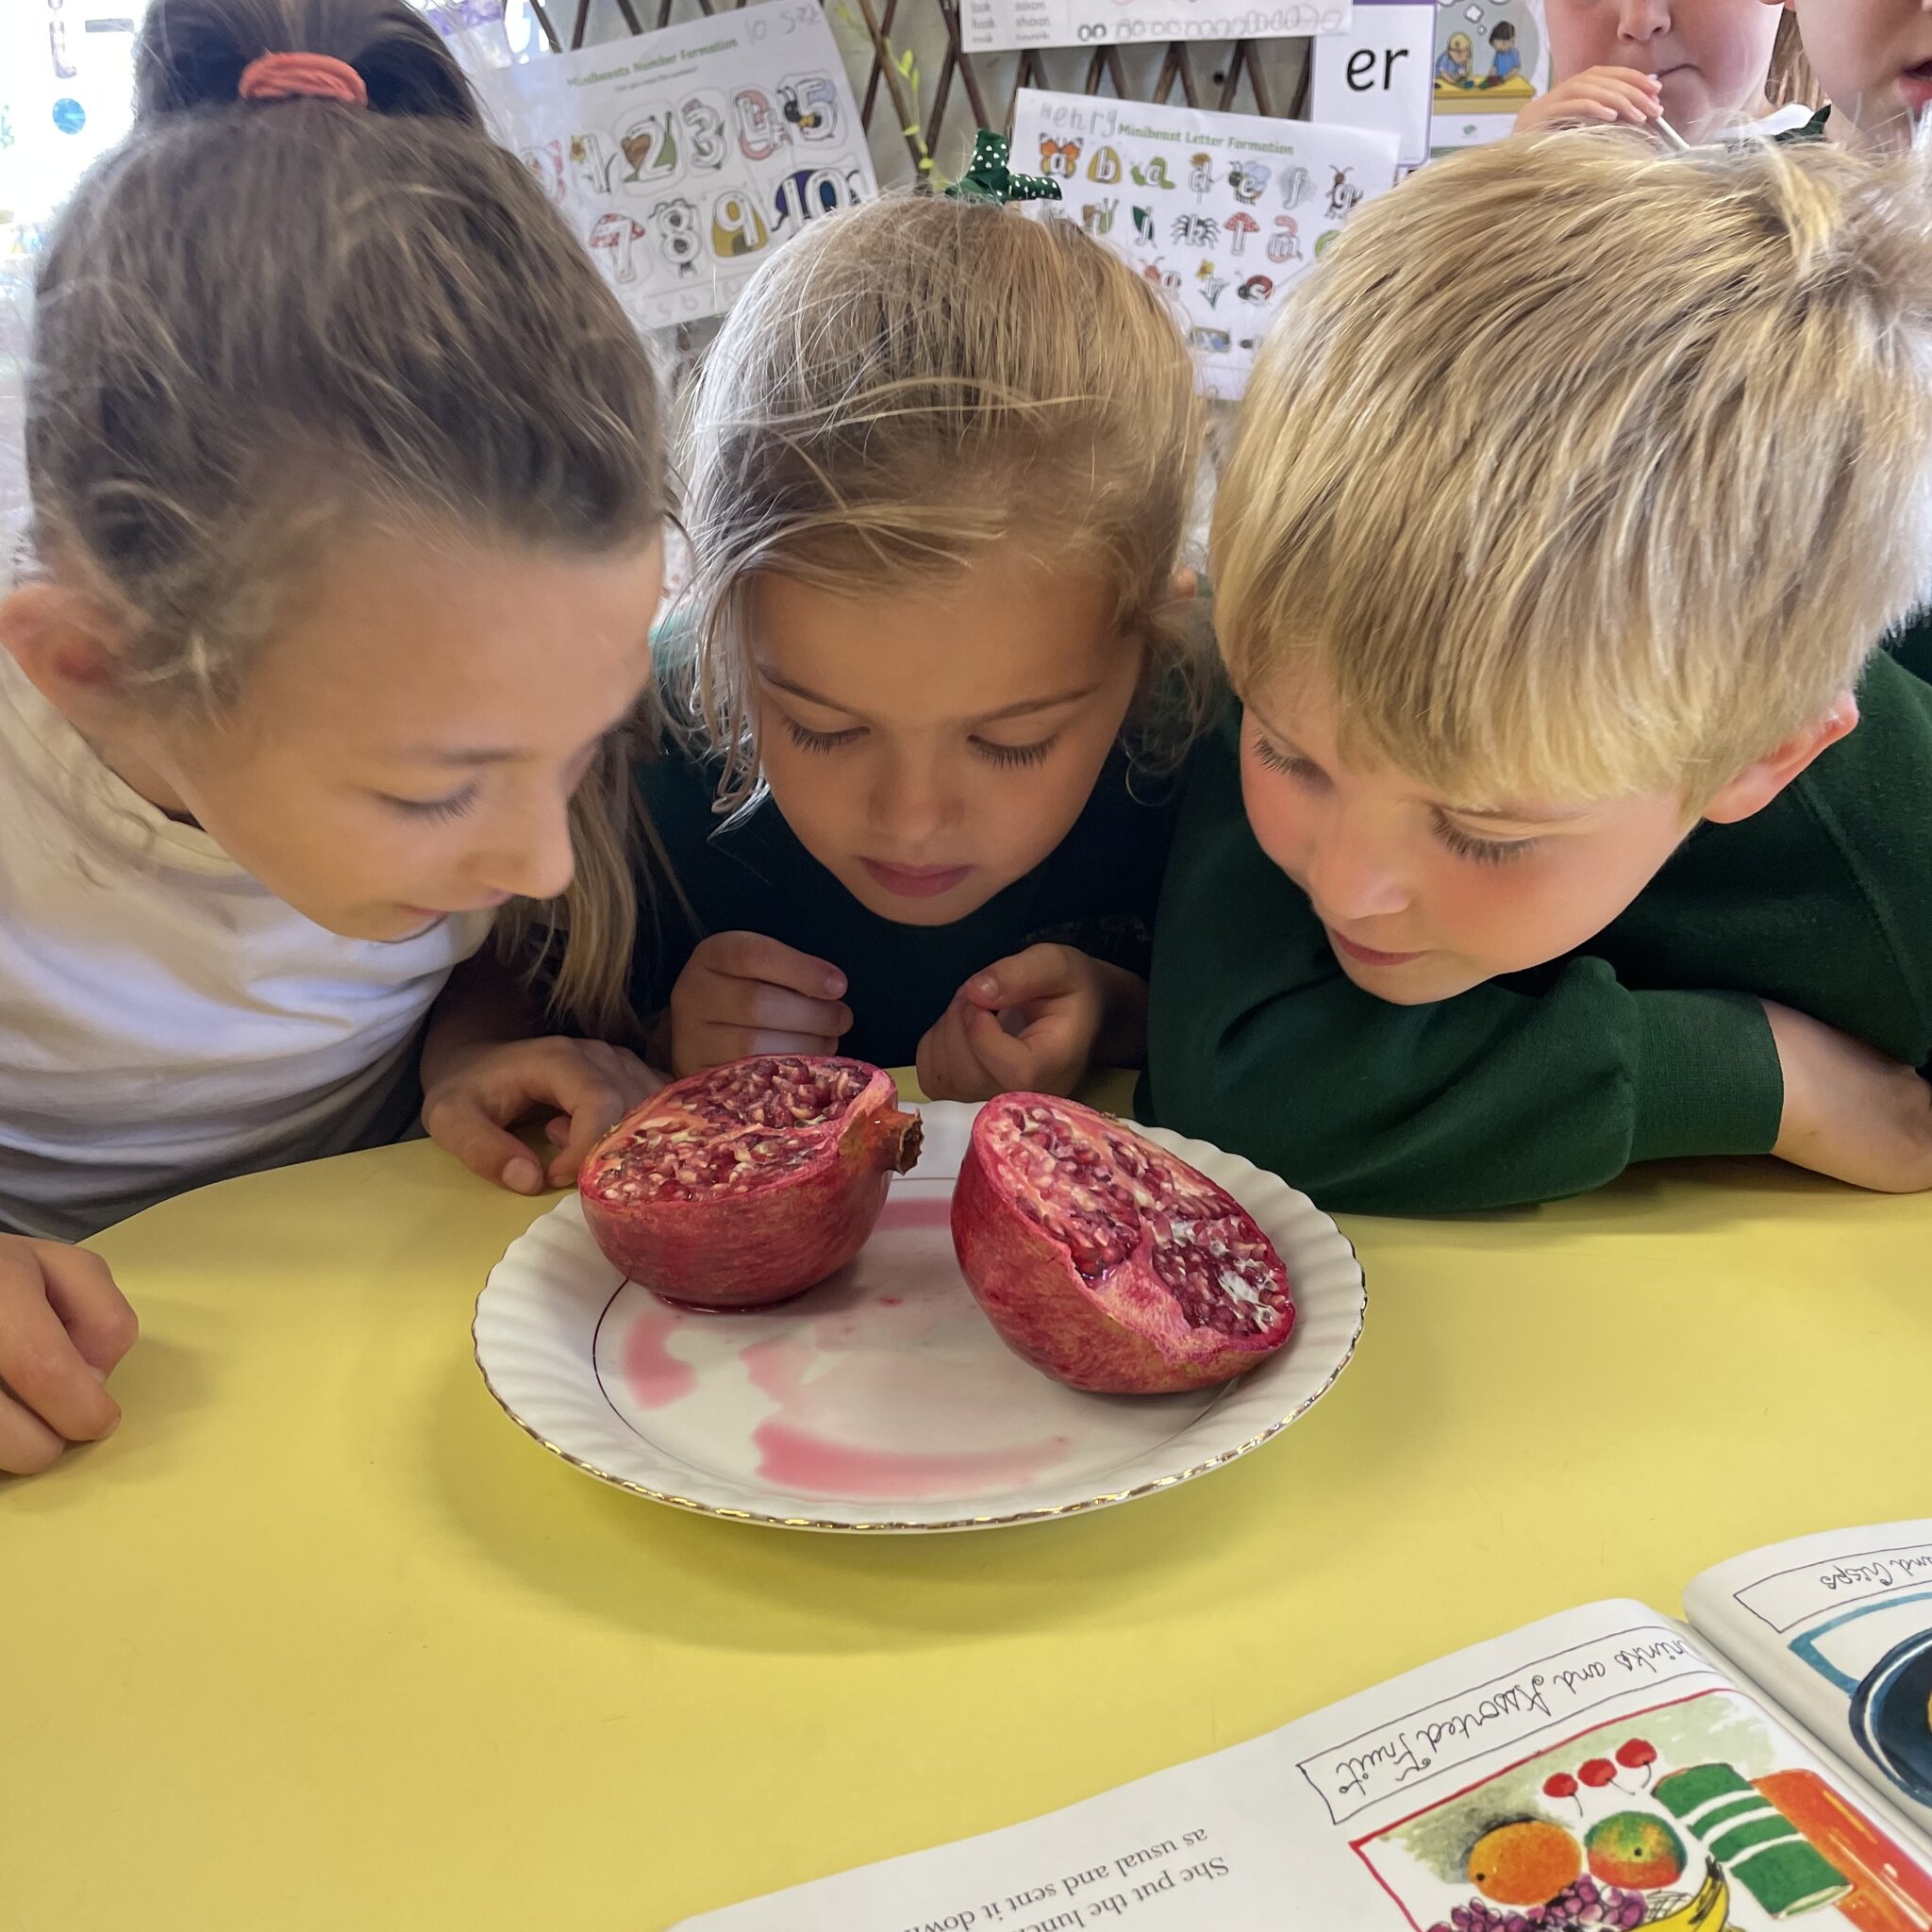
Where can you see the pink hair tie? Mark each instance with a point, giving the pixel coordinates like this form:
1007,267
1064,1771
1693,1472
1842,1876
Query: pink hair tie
297,76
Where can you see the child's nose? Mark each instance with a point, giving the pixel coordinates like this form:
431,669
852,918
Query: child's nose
1348,880
540,863
907,802
1643,20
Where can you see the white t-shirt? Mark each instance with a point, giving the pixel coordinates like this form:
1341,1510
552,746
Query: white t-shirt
1785,120
165,1020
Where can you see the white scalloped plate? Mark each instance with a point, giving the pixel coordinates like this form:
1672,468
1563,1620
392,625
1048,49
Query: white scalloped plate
882,1400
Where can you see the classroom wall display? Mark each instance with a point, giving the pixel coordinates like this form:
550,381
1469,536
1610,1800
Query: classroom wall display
1222,213
1380,74
681,158
1493,58
986,25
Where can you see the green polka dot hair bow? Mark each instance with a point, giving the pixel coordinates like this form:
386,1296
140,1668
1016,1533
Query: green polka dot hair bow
989,179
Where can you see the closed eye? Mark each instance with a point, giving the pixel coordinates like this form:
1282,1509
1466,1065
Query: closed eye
1483,851
808,740
453,806
1304,770
1012,755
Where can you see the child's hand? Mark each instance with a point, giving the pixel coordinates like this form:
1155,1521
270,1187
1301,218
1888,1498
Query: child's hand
63,1326
742,993
1848,1111
1034,1023
1596,94
484,1090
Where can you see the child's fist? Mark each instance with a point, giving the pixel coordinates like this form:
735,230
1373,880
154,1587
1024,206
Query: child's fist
1030,1023
1597,94
483,1091
1848,1111
742,993
63,1326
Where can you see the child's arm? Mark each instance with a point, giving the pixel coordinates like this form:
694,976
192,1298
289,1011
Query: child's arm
63,1326
1035,1022
1598,94
1260,1042
483,1073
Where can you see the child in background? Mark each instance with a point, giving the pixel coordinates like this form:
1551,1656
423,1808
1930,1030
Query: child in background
1582,825
346,490
1873,63
1701,64
942,462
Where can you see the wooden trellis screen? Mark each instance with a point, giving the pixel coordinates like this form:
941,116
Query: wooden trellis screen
1106,70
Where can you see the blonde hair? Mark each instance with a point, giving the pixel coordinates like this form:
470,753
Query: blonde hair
256,324
1616,509
907,385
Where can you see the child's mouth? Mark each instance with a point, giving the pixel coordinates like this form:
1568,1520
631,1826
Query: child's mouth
916,881
1915,84
1368,956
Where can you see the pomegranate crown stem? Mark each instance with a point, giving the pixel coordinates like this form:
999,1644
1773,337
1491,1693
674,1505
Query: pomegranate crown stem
898,1134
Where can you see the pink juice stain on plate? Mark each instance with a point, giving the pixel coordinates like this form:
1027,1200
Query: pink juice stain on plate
801,1460
655,1376
904,1209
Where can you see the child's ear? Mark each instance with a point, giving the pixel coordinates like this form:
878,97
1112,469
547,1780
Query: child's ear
1758,783
1183,586
68,644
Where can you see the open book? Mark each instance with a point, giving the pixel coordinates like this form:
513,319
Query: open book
1767,1764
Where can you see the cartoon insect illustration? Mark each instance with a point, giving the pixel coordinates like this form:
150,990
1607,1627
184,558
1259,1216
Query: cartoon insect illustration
1059,158
676,222
736,226
1201,174
1240,225
650,149
761,129
1257,289
1096,217
1285,245
1143,225
704,127
1105,168
811,104
1196,231
1152,175
1212,284
1166,279
1294,187
612,241
1249,180
1345,196
545,164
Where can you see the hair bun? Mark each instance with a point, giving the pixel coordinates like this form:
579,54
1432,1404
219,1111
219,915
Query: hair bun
192,53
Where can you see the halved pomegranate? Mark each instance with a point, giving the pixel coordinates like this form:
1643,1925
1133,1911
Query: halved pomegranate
1108,1261
747,1183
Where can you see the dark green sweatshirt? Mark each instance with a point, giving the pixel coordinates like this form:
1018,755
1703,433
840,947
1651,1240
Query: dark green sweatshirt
1095,890
1650,1042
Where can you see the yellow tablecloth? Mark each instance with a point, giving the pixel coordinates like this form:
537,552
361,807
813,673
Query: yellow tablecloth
320,1639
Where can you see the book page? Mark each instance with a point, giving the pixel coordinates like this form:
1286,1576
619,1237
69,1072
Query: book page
1838,1630
1594,1770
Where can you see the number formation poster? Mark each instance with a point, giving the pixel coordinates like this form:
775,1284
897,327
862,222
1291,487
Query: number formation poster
1222,213
682,158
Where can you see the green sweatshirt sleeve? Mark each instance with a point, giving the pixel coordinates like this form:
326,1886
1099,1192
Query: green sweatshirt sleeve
1260,1043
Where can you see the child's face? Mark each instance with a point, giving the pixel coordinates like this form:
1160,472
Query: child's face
1872,59
930,748
408,746
1711,56
1422,897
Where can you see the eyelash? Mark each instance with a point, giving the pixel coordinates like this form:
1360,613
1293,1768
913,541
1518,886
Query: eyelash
1479,851
438,810
1482,850
1005,754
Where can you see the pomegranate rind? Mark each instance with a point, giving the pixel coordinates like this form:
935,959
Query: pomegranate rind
1117,1331
771,1231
